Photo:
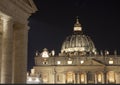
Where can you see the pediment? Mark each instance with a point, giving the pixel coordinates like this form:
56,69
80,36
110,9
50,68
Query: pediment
93,62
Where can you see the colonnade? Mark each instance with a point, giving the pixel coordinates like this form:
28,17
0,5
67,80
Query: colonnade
13,51
92,78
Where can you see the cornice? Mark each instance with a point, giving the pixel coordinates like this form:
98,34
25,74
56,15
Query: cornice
17,9
24,6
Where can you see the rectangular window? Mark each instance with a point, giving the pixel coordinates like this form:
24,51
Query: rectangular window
69,62
110,61
45,62
58,62
82,61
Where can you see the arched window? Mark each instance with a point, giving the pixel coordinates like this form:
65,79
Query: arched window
99,77
111,77
70,77
82,78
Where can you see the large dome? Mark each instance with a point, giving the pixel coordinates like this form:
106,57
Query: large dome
78,42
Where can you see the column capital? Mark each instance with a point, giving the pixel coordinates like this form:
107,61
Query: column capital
6,18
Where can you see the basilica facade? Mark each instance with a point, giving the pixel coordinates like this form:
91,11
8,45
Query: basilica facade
78,63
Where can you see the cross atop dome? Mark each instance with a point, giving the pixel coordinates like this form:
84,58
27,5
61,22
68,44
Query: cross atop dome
77,25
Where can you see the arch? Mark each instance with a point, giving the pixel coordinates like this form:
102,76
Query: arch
82,77
111,77
70,77
99,77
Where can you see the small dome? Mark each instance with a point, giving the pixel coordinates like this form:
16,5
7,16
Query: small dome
78,42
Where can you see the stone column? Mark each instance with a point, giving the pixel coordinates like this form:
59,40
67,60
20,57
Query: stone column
55,73
105,77
86,78
1,25
96,78
64,77
20,53
74,78
7,46
0,53
78,78
117,77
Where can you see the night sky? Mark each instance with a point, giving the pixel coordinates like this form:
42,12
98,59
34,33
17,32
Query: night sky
54,20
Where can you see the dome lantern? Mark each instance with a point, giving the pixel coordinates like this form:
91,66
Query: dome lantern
77,26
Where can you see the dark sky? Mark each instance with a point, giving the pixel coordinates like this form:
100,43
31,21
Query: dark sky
54,20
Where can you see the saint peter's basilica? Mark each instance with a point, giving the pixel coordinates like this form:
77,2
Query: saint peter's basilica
79,62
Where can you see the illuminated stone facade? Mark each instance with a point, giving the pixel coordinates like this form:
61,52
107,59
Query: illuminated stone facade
78,63
14,28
